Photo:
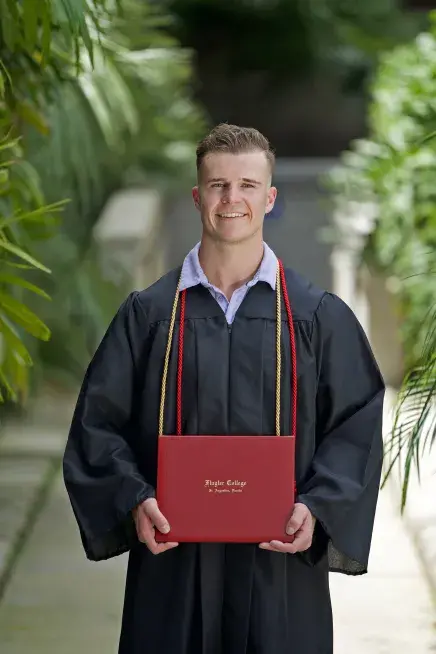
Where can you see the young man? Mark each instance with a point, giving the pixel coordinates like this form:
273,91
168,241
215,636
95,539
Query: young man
266,598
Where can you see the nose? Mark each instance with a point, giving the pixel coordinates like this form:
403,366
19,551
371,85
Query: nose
231,194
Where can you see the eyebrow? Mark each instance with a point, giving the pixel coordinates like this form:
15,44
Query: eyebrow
244,179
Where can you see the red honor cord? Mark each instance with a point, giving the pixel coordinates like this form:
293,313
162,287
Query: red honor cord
293,356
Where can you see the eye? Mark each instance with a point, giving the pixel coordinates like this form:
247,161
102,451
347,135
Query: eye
217,184
247,185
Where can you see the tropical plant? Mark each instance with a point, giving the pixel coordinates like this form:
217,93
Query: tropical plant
393,170
126,120
21,213
414,430
28,50
90,90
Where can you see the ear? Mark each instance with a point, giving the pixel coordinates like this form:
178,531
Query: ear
196,197
272,195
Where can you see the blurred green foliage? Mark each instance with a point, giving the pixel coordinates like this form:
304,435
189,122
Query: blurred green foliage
394,170
290,38
94,95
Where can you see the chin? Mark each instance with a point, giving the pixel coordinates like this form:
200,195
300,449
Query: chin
238,233
231,233
237,236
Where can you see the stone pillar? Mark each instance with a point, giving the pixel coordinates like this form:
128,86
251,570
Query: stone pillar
366,292
130,239
353,223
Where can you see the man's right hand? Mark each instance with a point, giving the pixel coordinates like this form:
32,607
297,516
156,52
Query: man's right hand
148,517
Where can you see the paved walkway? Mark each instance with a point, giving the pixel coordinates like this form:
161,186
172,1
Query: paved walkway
59,603
389,610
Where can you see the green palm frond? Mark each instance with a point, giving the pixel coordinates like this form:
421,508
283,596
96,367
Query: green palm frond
110,99
22,215
32,26
41,43
414,429
90,92
393,168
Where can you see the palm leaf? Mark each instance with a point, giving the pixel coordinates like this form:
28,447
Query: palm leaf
39,214
42,39
76,13
7,384
15,362
33,25
31,14
9,144
14,341
13,280
110,100
414,429
45,33
10,24
81,133
23,316
21,254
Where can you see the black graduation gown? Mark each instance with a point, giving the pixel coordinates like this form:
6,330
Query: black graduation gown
216,598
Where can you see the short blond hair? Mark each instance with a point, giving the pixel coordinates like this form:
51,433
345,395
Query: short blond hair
234,140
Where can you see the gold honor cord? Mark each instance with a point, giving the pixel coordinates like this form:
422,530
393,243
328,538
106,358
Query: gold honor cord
278,354
167,361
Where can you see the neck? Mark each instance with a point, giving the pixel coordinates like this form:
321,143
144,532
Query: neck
229,266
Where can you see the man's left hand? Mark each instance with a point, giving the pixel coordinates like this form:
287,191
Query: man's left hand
301,524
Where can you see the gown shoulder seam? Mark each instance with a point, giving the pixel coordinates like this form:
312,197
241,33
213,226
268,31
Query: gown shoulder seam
316,312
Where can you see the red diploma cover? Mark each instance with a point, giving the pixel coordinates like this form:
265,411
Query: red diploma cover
226,488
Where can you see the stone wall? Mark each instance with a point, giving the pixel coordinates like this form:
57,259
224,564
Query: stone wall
129,235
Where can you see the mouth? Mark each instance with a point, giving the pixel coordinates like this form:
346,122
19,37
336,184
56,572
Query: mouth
231,215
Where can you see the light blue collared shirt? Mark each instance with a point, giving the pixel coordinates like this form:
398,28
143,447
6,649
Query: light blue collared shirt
193,274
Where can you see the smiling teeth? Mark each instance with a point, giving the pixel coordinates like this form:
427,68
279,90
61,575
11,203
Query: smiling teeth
231,215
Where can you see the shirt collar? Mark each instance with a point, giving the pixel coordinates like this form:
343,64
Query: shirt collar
193,274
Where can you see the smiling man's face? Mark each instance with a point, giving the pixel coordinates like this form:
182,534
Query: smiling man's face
233,195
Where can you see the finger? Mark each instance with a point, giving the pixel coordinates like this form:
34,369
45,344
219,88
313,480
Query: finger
148,538
302,542
267,546
147,535
160,548
277,546
299,515
287,548
157,518
145,530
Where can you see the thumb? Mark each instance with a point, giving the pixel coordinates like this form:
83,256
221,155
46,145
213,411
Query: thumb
298,517
157,518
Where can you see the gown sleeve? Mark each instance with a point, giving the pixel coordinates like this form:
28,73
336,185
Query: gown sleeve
343,485
100,474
